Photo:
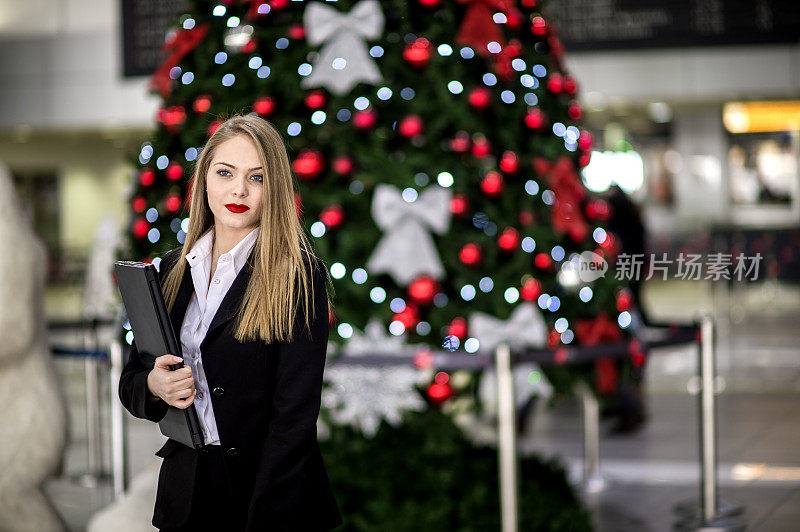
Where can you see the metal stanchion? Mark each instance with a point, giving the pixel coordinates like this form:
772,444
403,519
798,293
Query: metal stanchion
709,515
507,439
119,462
95,458
593,481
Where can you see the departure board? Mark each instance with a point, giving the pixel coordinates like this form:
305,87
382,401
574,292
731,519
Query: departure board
145,24
609,24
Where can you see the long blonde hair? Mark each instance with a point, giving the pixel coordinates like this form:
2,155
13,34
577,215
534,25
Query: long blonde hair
269,306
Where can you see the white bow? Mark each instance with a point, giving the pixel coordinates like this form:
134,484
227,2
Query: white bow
524,328
344,59
407,249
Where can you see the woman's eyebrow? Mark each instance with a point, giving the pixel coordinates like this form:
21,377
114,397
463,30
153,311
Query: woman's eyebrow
229,164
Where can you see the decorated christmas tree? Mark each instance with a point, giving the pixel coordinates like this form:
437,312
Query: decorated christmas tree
436,146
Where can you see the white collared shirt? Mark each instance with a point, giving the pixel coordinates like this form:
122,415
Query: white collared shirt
202,307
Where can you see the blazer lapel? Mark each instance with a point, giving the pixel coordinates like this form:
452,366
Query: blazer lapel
227,308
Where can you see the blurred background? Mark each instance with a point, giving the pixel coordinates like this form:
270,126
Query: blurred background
694,108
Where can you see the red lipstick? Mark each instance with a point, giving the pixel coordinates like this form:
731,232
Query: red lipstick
235,207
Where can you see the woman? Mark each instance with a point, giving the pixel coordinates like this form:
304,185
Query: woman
252,311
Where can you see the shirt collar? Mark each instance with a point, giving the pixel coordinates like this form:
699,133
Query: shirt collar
202,249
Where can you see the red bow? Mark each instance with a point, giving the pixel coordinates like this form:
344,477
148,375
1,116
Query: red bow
562,178
183,42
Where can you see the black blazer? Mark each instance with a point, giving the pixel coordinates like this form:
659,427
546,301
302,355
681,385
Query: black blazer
266,400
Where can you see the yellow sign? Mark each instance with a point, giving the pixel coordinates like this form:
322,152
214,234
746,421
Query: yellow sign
756,117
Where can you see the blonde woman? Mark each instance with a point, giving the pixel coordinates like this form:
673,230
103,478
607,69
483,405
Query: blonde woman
249,300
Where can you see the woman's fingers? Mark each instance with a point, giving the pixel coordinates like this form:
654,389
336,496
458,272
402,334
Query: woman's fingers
184,403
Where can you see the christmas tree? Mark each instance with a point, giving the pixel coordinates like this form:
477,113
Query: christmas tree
436,146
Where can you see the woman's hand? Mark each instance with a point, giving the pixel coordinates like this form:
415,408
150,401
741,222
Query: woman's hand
175,387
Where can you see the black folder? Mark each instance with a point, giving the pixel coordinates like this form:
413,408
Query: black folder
140,287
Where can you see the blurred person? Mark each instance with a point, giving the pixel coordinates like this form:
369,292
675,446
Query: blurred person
255,381
626,223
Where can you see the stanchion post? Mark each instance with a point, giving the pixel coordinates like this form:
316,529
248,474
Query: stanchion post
95,464
711,514
507,439
708,442
593,481
119,458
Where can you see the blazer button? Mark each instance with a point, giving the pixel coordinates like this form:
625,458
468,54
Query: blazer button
232,451
219,391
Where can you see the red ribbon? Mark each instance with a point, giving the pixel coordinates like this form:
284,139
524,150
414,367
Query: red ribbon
478,28
181,44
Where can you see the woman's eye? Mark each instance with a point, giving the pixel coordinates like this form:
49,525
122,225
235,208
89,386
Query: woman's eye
220,171
259,176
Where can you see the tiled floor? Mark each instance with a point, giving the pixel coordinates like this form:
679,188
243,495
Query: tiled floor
646,473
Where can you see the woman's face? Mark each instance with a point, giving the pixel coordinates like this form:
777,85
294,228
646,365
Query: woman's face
235,177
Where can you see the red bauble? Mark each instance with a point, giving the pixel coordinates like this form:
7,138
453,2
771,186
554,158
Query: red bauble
315,99
481,147
140,227
332,216
439,393
470,254
418,52
138,204
172,117
624,298
539,26
459,205
583,160
212,127
429,3
422,290
174,172
514,19
531,290
410,125
509,162
555,83
574,110
202,103
492,183
278,4
264,105
585,141
173,201
542,261
250,46
570,86
458,328
366,119
530,4
409,316
561,356
308,164
423,358
296,32
526,218
147,177
343,165
535,118
480,98
598,209
461,143
508,239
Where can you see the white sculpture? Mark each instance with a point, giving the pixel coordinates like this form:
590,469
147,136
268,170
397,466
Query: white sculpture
33,417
